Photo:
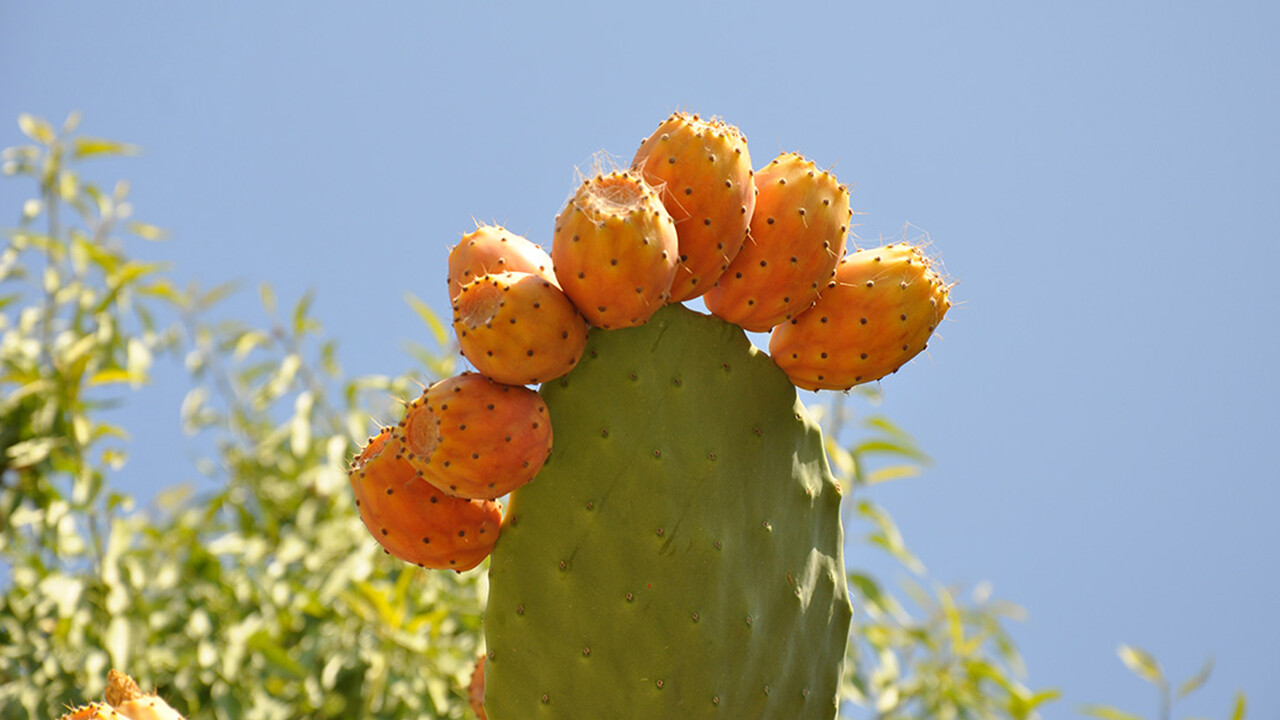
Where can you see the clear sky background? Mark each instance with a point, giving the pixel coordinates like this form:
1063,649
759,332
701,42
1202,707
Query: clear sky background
1102,178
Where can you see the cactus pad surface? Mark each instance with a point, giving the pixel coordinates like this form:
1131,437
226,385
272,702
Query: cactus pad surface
680,554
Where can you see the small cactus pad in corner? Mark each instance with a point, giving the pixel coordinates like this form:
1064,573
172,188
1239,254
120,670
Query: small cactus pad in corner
680,554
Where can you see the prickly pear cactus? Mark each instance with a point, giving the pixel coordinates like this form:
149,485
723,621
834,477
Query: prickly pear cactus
680,554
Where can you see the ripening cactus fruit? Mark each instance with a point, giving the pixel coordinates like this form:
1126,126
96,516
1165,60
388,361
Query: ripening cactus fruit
495,249
680,555
518,328
475,690
702,170
125,701
412,519
877,314
475,438
797,236
615,250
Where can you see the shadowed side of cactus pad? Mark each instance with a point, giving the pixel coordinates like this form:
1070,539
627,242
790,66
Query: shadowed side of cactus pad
679,555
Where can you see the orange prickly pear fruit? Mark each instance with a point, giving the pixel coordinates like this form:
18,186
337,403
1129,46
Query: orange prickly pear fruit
475,692
475,438
124,701
93,711
702,171
797,237
615,250
494,249
130,702
412,519
518,328
876,314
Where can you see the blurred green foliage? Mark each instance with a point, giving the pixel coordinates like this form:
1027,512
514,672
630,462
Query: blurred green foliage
263,599
266,598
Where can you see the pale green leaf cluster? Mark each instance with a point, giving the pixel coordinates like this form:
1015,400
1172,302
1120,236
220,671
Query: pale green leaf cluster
265,598
1144,665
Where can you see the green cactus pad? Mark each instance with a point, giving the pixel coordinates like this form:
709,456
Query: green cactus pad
680,554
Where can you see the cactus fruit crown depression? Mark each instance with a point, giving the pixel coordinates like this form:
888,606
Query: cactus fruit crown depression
680,553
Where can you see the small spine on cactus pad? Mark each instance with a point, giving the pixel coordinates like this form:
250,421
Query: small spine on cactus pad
877,314
494,249
615,250
412,519
518,328
475,438
797,236
703,173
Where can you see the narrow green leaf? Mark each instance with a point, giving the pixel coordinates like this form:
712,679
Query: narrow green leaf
889,446
1238,712
147,231
300,311
1141,663
1108,713
162,289
216,295
36,128
1194,682
429,317
276,655
1043,697
268,296
72,123
83,147
893,472
110,376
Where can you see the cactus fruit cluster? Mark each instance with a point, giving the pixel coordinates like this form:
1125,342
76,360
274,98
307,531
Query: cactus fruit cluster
671,543
124,700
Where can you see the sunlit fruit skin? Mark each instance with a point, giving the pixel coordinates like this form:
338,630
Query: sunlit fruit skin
412,519
475,438
702,171
495,249
797,236
615,250
93,711
130,702
518,328
878,313
124,701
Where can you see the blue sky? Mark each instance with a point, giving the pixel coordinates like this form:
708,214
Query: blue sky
1100,177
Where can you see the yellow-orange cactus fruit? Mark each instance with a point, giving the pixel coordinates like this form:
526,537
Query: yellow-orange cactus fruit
412,519
130,702
93,711
495,249
797,236
615,250
472,437
877,314
475,692
125,701
518,328
703,173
